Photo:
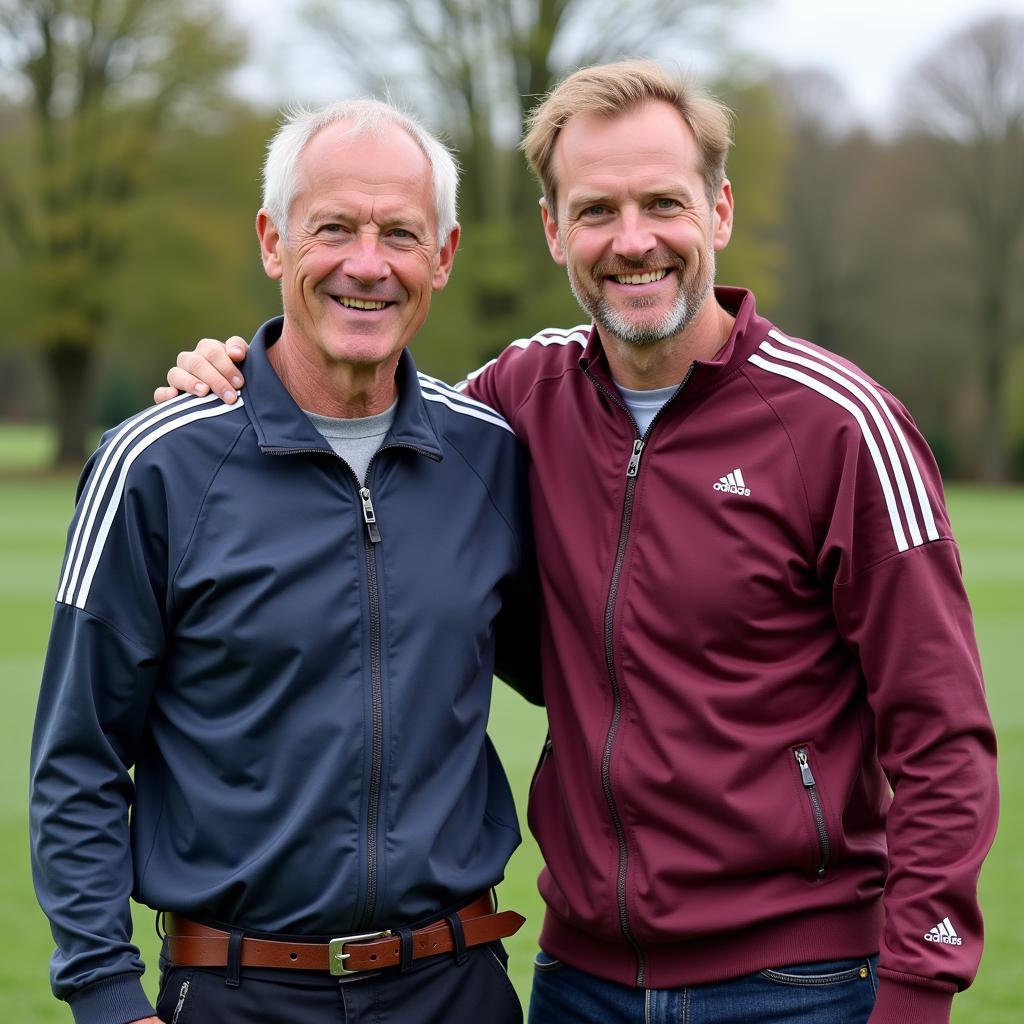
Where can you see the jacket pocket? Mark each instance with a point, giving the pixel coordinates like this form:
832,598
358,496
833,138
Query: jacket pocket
802,755
173,1003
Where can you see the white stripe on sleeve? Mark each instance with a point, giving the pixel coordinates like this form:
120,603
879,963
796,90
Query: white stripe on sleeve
882,427
113,500
858,415
484,413
101,475
922,495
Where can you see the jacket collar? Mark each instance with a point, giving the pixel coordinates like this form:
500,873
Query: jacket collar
748,332
281,426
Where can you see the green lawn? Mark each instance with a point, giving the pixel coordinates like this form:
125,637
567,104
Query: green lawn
33,519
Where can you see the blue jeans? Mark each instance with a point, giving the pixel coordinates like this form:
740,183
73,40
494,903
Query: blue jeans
834,992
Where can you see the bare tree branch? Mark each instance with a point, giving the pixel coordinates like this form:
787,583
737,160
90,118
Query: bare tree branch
484,63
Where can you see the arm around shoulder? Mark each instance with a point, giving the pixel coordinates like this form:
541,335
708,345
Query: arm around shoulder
211,366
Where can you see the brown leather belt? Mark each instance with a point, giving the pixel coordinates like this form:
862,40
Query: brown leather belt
190,944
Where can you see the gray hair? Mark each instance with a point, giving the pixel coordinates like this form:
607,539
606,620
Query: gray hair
368,117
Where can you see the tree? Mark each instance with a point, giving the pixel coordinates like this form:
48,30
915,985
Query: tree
967,97
484,63
755,257
97,84
817,193
474,68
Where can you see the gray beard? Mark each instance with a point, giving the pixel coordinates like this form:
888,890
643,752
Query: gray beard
676,320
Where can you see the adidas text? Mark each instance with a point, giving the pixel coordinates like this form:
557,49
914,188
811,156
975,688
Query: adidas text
731,488
733,483
944,933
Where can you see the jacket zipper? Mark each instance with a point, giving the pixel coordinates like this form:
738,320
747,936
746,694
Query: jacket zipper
371,537
810,787
182,993
632,469
369,516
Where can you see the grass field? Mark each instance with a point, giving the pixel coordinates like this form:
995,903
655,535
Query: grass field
33,517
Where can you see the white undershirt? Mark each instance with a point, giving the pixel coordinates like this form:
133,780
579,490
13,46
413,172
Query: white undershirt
645,405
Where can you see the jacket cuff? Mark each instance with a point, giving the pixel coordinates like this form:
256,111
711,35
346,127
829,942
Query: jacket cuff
900,1001
119,999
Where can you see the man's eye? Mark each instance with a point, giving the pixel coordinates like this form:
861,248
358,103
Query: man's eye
666,204
597,210
402,234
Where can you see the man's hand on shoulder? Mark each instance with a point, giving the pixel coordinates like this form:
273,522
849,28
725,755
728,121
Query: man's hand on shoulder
209,367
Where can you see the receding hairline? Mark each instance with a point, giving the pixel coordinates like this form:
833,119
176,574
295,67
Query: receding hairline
301,125
353,130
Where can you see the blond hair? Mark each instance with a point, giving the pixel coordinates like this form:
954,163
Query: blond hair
610,90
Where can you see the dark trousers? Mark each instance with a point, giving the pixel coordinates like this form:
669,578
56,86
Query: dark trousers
434,989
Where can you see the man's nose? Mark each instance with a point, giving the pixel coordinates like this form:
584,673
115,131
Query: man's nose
633,237
365,259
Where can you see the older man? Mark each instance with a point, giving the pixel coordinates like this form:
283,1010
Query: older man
282,614
757,623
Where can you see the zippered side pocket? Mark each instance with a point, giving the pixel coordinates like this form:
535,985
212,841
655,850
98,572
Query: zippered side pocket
803,761
182,996
545,753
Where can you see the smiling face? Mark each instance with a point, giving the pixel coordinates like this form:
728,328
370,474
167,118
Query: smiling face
633,224
361,257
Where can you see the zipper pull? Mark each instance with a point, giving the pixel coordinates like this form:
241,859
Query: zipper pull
368,515
181,1001
634,461
806,775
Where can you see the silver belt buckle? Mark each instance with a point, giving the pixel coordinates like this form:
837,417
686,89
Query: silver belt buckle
336,950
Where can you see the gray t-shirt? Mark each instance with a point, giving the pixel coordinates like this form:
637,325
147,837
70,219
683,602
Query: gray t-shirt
645,405
355,440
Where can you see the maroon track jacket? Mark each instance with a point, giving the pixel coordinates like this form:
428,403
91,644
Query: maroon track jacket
755,626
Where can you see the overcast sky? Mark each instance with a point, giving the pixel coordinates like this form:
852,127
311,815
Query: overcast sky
868,44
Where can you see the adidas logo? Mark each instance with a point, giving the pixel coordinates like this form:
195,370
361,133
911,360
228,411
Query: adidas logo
945,933
733,483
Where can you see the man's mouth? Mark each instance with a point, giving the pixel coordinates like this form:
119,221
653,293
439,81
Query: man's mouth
647,277
352,303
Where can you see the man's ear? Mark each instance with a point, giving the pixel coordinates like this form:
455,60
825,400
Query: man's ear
549,217
445,259
722,217
270,246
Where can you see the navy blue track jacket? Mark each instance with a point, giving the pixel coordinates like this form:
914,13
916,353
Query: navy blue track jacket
302,691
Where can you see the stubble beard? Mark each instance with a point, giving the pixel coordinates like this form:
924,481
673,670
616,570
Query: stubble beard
689,299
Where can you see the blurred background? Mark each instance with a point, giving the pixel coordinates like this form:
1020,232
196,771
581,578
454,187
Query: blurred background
878,172
879,180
